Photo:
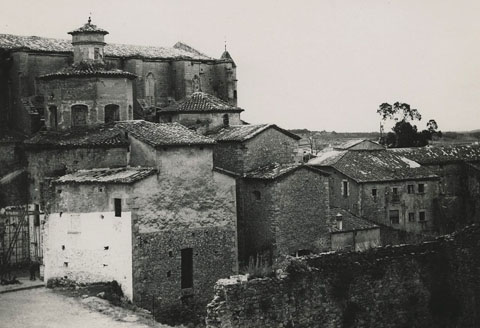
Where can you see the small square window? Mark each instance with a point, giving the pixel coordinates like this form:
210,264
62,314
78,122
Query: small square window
411,189
118,207
411,217
421,188
421,216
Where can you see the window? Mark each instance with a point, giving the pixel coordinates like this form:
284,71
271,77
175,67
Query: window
410,189
187,268
97,54
421,216
196,84
150,89
226,120
79,115
52,117
112,113
36,216
411,217
421,188
395,195
118,207
345,191
257,195
394,216
374,192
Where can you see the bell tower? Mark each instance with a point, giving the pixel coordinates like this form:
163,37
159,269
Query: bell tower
88,42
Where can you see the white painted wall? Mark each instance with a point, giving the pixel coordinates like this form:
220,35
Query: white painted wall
85,236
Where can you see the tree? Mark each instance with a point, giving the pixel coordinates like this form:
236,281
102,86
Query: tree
405,134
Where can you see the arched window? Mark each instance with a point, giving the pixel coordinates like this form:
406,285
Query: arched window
79,115
150,89
226,120
112,113
53,117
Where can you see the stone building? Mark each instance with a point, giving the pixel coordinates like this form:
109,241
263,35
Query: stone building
242,148
452,164
163,75
177,233
350,232
282,209
202,112
381,186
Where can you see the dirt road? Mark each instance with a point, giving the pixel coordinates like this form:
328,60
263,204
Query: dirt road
37,308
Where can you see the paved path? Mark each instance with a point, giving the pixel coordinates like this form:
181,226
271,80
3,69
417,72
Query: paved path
25,283
41,307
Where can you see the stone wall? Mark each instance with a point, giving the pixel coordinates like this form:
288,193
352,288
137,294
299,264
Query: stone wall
377,208
283,216
433,284
54,162
473,200
270,146
94,92
201,122
188,206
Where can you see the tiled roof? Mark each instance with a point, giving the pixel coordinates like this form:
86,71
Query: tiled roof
373,165
40,44
88,69
350,222
441,154
163,134
88,28
99,136
354,142
121,175
241,133
201,102
275,170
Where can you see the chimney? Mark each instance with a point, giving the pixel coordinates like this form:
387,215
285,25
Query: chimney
339,221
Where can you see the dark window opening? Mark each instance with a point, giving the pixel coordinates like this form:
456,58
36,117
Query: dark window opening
345,188
257,195
421,188
112,113
53,117
170,253
234,94
411,217
118,207
410,189
226,120
394,216
395,195
374,193
187,268
79,115
169,274
421,216
36,216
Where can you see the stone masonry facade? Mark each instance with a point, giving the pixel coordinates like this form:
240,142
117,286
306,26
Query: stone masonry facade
427,285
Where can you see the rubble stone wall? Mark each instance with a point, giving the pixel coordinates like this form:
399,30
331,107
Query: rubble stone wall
432,284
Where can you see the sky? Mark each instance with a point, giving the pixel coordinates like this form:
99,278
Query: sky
315,64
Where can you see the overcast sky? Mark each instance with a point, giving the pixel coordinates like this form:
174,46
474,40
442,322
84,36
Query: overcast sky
323,65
